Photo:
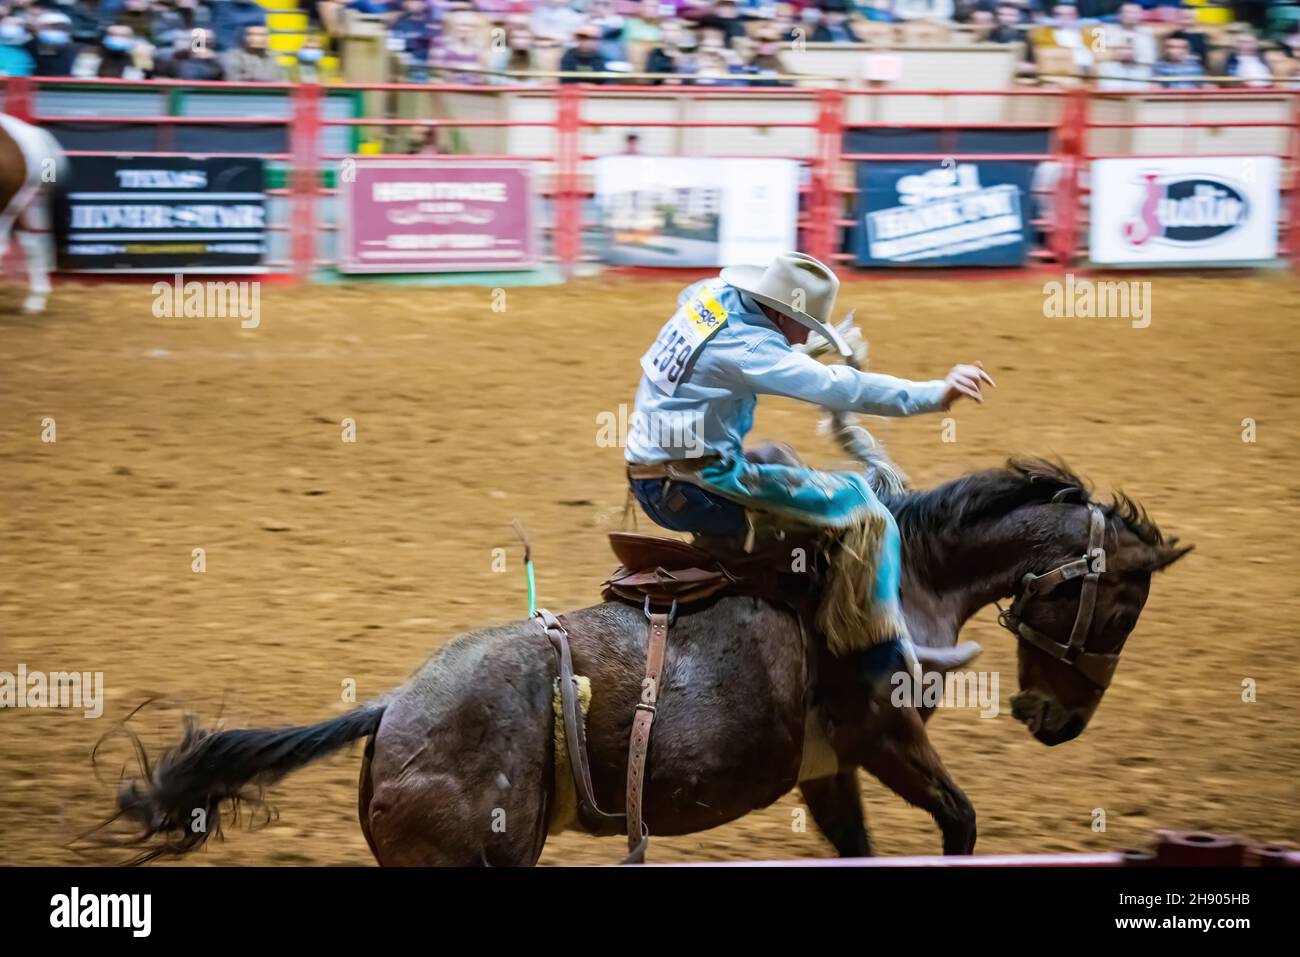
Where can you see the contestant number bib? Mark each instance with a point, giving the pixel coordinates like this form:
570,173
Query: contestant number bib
680,338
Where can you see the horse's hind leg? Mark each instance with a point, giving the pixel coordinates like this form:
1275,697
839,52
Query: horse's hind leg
365,793
836,806
423,819
444,791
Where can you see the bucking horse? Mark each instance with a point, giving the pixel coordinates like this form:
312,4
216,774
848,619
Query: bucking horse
468,762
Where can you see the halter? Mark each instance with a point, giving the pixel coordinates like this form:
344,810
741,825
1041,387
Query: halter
1096,667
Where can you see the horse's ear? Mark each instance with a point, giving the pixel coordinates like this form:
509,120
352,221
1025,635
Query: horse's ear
1165,555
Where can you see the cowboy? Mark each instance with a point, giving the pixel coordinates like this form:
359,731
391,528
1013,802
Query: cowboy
731,340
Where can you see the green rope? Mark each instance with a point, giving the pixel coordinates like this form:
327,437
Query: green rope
528,566
532,589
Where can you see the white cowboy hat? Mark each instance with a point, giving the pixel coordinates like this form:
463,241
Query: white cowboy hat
797,286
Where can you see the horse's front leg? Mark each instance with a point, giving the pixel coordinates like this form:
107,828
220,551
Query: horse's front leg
836,806
903,759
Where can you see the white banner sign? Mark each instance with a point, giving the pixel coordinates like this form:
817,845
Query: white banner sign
1202,209
677,211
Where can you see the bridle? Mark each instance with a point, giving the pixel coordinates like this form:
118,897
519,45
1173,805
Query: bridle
1096,667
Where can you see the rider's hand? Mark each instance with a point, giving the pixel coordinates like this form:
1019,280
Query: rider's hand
964,380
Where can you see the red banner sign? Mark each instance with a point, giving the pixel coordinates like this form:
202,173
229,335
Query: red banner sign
435,215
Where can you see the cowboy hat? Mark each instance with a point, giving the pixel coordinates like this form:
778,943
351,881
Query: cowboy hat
797,286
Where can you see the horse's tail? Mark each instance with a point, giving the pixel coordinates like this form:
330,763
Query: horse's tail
179,803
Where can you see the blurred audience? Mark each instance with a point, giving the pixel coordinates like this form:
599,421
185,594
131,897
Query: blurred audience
176,20
1123,72
118,55
555,19
834,24
412,30
1066,31
192,56
1194,32
457,49
1177,61
584,56
673,54
1245,62
253,62
1114,44
1008,26
515,53
14,38
725,19
52,49
1130,31
646,26
230,18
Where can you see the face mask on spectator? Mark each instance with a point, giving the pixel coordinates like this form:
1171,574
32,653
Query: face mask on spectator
118,44
53,38
310,55
13,34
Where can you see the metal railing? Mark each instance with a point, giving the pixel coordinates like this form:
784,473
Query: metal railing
828,205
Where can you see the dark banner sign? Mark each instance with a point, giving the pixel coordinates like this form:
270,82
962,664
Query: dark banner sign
943,214
165,214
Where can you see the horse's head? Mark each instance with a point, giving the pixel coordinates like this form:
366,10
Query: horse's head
1073,618
1078,571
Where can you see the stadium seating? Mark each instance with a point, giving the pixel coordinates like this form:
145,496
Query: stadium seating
359,45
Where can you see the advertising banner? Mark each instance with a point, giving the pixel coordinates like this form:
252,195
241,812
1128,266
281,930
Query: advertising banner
943,214
1191,209
435,215
681,211
146,214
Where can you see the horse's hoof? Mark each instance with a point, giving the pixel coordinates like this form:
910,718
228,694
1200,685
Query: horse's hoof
33,305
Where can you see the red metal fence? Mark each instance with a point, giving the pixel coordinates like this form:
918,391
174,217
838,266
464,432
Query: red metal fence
826,201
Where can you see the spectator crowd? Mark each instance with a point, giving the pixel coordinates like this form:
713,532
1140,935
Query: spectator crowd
1117,45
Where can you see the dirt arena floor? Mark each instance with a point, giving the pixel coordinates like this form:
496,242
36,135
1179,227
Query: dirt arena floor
329,561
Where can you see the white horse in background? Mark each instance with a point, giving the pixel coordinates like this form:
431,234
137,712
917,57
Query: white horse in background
32,167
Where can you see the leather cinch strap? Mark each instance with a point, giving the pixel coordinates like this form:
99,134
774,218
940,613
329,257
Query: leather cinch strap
589,812
575,733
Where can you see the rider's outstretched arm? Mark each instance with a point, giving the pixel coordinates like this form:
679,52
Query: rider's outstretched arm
771,367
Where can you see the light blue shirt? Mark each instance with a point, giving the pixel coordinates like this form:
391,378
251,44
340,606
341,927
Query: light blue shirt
712,409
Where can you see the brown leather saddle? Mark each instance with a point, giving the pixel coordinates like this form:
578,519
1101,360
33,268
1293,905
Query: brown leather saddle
663,570
661,575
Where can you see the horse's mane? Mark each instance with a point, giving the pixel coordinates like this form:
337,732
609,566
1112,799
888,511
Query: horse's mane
991,494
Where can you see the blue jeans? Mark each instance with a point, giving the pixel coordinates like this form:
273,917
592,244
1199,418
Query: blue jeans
688,508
